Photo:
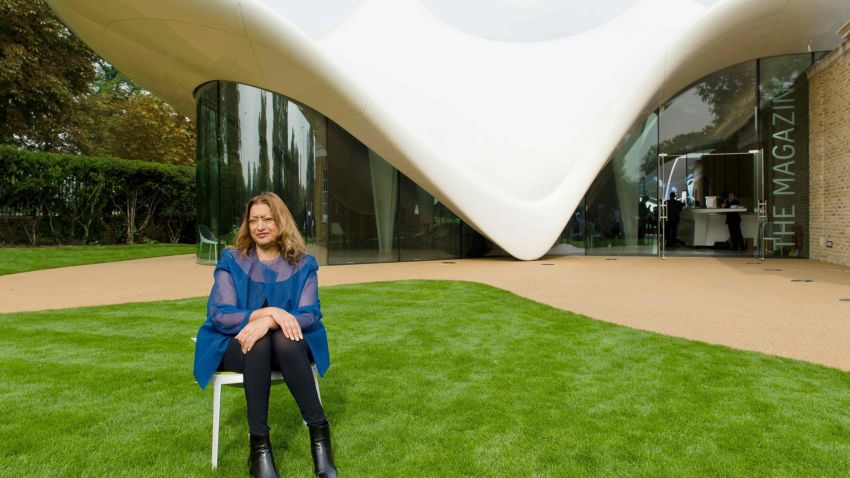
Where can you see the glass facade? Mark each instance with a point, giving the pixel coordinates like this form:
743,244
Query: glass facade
427,228
784,128
350,205
699,146
354,207
362,198
619,206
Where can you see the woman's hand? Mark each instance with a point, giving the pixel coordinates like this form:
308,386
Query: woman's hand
254,331
287,322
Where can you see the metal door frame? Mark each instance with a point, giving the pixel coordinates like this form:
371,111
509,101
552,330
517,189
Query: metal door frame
759,200
662,208
759,203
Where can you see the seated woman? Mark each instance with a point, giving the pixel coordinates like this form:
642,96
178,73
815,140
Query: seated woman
262,315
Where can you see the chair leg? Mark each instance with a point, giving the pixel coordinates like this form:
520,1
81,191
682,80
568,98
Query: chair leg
316,379
216,413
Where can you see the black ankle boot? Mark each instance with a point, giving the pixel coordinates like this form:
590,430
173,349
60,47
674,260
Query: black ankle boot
261,461
320,445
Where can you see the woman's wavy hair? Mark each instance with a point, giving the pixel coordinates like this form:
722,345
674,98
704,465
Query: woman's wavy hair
291,243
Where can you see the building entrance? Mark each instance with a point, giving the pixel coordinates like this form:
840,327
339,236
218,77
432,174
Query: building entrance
711,204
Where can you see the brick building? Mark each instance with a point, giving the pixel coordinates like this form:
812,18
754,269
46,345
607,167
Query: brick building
829,166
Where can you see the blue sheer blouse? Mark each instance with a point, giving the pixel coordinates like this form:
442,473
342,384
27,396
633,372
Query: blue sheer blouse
243,285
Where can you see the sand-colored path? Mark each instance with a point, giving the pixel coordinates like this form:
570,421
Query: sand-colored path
733,302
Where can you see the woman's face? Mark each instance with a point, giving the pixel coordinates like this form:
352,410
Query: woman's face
264,229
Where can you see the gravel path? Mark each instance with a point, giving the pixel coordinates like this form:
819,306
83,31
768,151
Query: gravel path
733,302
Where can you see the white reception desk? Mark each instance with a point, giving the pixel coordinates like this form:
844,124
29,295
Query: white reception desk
704,226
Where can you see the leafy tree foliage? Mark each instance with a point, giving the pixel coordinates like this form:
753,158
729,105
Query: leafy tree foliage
56,95
126,121
44,70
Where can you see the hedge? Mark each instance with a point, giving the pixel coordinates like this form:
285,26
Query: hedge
50,198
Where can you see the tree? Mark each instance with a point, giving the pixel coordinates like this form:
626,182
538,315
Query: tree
178,205
44,70
119,118
148,129
56,95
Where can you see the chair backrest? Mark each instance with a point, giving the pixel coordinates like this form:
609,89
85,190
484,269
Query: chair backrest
336,229
206,234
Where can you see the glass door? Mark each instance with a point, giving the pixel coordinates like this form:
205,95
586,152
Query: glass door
661,208
711,204
675,193
759,203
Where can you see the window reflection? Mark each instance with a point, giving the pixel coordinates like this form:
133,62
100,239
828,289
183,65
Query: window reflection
344,197
427,228
263,142
207,175
619,217
361,228
714,115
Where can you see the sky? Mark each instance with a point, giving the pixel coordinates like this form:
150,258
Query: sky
504,20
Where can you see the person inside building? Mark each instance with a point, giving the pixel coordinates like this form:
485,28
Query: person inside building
263,314
674,209
733,221
644,216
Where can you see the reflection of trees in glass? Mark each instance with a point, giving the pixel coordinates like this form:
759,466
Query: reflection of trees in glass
776,81
208,154
262,180
309,186
729,95
233,184
688,143
293,193
649,163
281,125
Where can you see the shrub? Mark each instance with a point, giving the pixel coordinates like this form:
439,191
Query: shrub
56,198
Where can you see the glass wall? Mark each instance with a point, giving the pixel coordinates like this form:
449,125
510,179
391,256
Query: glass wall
362,202
620,202
784,125
252,141
714,115
717,116
354,207
427,228
572,240
350,205
700,131
207,176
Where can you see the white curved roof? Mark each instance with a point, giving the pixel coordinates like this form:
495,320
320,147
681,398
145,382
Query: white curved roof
508,135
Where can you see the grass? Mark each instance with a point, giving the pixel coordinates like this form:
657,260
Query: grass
429,379
23,259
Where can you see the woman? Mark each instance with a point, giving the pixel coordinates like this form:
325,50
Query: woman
263,314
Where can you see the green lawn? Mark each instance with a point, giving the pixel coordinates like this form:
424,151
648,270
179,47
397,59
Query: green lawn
23,259
429,379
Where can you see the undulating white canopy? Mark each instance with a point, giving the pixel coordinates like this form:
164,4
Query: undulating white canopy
509,134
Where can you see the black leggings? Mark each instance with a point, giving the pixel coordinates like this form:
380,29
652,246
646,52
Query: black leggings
275,352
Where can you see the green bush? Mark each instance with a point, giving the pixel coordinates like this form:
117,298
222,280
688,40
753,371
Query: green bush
50,198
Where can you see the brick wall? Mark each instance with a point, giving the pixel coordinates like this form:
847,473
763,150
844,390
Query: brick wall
829,157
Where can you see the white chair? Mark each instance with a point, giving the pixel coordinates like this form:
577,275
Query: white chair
207,237
233,379
337,234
